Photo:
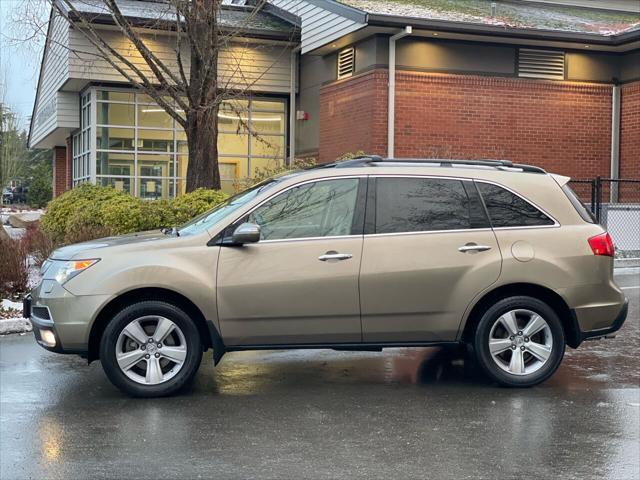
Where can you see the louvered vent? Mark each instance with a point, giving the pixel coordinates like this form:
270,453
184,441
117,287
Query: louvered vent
547,64
346,63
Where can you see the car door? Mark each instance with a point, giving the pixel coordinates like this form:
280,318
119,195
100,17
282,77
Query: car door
428,252
299,283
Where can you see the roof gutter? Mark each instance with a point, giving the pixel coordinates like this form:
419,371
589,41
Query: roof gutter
391,109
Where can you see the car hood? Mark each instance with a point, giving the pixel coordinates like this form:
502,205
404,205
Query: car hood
73,251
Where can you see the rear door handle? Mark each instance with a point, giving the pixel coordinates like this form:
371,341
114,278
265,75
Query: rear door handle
473,248
329,256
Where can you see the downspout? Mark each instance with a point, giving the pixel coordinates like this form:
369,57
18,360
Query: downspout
391,108
615,141
292,105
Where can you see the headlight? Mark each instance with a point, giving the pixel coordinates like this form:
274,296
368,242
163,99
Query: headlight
71,268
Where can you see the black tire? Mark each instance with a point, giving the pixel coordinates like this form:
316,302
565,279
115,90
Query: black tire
483,331
108,344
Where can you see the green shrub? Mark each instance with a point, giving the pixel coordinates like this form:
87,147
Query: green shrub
190,205
79,206
89,212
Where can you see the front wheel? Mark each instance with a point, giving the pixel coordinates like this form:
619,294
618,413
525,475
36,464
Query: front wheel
519,342
151,349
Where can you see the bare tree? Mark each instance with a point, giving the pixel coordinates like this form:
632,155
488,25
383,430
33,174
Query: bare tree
188,86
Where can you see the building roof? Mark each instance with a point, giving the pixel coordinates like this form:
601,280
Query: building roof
161,10
509,14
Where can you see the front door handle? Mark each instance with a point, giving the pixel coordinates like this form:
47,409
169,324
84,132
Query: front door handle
334,256
472,247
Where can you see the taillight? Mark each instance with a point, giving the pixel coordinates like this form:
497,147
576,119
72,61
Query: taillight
602,245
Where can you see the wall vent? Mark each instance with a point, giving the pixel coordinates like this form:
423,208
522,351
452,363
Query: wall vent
346,63
548,64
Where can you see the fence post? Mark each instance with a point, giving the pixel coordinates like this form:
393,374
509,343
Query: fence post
598,198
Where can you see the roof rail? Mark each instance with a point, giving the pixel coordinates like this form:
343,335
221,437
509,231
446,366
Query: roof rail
367,160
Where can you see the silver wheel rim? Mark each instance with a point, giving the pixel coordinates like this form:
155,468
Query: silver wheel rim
520,342
151,350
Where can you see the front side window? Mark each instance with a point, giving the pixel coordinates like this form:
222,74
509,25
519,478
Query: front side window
509,210
319,209
422,205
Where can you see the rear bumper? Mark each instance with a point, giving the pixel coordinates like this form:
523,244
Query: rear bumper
580,335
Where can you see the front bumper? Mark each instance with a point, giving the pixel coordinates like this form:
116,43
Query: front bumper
62,321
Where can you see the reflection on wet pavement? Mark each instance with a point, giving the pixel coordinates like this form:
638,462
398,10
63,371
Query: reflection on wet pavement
404,413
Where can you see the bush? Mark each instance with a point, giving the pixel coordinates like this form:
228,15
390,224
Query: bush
37,244
262,173
79,206
14,267
190,205
88,212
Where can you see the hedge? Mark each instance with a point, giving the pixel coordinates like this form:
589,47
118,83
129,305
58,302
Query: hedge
105,210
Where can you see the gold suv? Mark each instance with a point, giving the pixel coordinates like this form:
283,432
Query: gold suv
363,255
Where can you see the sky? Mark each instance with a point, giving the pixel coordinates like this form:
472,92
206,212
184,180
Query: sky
19,61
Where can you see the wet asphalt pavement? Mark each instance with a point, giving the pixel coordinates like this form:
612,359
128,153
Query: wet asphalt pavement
404,413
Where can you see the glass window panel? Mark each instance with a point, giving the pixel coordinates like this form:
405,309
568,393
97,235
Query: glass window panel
153,116
260,166
155,188
154,165
182,163
230,122
420,205
181,141
509,210
318,209
155,140
115,96
109,138
262,122
234,105
179,185
122,184
230,144
116,114
277,106
267,146
114,164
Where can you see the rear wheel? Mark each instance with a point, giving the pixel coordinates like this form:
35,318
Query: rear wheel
519,341
151,349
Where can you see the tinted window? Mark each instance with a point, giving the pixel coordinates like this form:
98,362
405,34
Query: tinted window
509,210
320,209
420,205
582,210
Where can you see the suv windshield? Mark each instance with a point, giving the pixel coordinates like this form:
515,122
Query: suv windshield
213,216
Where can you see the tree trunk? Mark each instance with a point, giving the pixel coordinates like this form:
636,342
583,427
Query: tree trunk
202,139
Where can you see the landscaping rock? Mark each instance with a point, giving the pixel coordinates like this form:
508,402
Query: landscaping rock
23,220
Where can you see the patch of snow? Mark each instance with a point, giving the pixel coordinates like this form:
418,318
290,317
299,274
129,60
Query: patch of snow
15,325
15,233
7,304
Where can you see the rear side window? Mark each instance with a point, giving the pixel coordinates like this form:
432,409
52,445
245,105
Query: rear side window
509,210
422,205
583,211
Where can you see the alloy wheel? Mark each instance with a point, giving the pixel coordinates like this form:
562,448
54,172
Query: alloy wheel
151,350
520,342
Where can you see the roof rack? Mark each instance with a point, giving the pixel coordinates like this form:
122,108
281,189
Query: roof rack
369,160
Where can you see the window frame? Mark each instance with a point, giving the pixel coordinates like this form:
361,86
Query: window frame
370,214
555,224
357,226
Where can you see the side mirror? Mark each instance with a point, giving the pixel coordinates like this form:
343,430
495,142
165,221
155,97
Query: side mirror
246,233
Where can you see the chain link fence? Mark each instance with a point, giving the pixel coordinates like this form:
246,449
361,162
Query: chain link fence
616,205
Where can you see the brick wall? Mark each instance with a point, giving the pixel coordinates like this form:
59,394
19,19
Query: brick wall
562,127
61,172
353,116
630,131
